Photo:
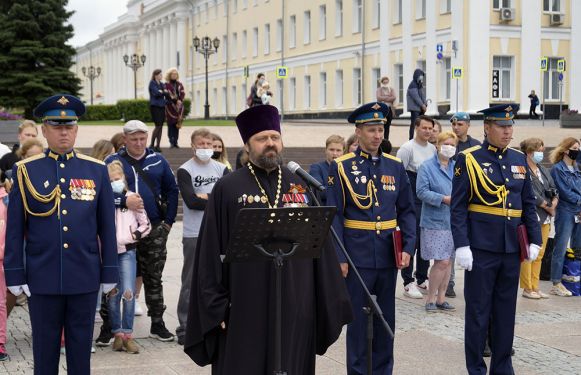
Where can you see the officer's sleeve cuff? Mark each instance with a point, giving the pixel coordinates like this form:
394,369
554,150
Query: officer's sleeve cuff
15,277
109,275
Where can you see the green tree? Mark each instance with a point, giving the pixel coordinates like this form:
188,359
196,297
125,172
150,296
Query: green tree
35,59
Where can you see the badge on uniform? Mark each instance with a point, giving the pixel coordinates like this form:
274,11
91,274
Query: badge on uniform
388,183
83,190
518,172
295,197
457,171
330,180
487,168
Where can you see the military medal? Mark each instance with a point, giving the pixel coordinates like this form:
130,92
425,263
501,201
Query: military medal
363,179
263,199
257,198
250,199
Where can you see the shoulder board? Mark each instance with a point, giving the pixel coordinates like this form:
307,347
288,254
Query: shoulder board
32,158
391,157
517,150
345,157
471,149
85,157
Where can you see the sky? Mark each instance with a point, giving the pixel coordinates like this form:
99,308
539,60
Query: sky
91,17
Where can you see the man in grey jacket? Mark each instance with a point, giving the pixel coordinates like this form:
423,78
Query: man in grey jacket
416,98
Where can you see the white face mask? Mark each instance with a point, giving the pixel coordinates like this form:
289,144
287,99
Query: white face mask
118,186
204,154
447,151
385,85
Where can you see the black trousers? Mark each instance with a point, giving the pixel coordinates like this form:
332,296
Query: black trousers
173,133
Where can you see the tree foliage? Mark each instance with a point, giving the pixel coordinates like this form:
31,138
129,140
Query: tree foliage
35,59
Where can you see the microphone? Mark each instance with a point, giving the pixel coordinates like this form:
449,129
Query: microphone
296,169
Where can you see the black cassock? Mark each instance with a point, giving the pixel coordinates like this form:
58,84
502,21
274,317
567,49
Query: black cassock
315,300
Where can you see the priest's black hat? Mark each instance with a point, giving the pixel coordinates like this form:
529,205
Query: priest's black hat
257,119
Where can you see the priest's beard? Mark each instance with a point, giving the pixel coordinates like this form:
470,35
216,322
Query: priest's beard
266,162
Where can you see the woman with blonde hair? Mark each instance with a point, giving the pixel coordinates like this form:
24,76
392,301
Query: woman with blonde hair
220,153
567,177
351,144
29,148
174,107
101,149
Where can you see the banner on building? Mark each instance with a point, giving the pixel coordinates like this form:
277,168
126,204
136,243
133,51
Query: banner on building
495,81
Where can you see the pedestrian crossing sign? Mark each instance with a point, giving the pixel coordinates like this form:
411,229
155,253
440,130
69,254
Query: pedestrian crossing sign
457,72
544,64
561,65
281,72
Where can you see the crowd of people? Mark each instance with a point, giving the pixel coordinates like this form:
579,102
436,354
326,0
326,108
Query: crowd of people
416,192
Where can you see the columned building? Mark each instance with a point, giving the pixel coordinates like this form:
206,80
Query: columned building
336,50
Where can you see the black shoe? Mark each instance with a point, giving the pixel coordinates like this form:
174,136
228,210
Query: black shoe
450,292
487,351
157,149
512,351
181,340
105,337
158,331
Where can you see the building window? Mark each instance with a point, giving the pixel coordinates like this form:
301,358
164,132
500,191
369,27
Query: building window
398,69
198,15
307,27
215,9
357,15
198,100
244,4
214,107
292,32
292,92
234,100
357,86
338,88
375,76
551,80
244,94
397,12
376,11
224,99
244,43
446,79
498,4
234,48
255,42
552,6
267,39
206,13
338,17
420,9
322,22
278,35
323,90
224,48
504,66
421,64
307,92
445,6
234,6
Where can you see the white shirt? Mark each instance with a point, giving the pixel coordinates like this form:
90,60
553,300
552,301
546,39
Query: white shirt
413,154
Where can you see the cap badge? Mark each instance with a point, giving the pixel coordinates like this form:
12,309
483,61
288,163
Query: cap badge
63,101
376,106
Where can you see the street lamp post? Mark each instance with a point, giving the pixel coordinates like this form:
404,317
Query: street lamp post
91,73
136,63
206,47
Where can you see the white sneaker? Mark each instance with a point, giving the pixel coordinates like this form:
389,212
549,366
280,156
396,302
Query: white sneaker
411,291
560,290
93,350
423,287
138,309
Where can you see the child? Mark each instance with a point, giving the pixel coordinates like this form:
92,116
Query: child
3,215
131,227
264,93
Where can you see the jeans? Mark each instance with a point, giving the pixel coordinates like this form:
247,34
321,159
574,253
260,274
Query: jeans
187,271
124,291
173,133
565,229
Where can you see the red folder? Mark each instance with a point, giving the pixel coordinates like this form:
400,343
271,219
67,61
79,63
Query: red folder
523,242
397,247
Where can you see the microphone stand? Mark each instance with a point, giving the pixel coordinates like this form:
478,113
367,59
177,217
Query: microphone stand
373,309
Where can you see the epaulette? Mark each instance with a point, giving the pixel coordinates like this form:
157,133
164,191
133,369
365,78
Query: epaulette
517,150
85,157
471,149
391,157
32,158
345,157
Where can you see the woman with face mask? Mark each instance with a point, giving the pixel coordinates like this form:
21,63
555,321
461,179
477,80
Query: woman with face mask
567,178
386,94
220,153
434,188
546,201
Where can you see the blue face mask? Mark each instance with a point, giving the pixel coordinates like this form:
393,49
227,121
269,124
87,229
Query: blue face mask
538,156
118,186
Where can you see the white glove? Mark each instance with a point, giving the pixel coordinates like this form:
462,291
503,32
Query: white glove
108,287
533,252
464,257
19,289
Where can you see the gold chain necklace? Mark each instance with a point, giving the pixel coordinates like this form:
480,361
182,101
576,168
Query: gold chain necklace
279,184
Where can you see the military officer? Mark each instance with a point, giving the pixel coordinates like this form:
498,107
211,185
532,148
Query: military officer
61,244
491,198
373,196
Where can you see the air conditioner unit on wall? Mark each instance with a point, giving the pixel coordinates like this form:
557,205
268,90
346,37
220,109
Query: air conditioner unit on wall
507,14
556,18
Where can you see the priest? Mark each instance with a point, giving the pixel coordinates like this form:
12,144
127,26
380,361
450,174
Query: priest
231,321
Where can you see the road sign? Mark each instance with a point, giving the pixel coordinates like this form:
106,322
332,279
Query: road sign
561,65
439,47
495,77
560,76
544,64
457,72
281,72
439,55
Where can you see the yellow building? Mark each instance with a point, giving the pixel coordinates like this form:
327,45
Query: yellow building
336,50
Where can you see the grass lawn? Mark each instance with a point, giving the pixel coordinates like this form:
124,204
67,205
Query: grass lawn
189,122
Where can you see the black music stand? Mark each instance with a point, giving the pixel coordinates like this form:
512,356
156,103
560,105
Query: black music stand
278,234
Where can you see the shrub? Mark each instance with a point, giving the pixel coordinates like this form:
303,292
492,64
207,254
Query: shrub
101,112
138,109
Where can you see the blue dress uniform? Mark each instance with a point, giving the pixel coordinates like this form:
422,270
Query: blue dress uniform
61,243
373,196
491,196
